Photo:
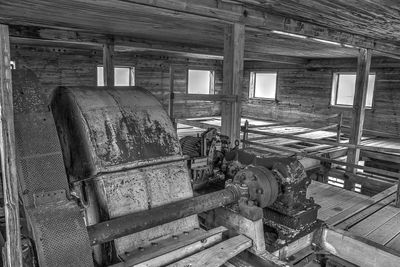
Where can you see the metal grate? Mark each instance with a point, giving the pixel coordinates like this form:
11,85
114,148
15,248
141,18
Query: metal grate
61,236
41,166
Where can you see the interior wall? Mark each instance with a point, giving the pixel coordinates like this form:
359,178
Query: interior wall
55,66
304,92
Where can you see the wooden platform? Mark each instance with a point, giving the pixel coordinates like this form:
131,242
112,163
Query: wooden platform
374,218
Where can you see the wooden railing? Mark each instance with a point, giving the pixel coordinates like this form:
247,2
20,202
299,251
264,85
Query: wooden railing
265,134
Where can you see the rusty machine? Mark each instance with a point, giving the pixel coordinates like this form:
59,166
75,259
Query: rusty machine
288,213
104,182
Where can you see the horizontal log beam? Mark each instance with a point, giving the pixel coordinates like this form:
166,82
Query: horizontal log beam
204,97
56,37
43,12
142,220
256,18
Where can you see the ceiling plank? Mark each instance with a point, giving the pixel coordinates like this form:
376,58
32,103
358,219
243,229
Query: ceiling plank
259,19
189,21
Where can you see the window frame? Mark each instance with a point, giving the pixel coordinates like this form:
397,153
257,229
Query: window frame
211,89
252,84
335,87
120,66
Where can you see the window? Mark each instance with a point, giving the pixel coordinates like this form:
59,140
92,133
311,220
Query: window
123,76
343,89
263,85
12,64
336,181
200,82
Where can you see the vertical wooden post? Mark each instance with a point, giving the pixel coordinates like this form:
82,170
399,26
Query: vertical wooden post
12,252
397,203
339,127
358,113
108,63
233,75
245,134
171,94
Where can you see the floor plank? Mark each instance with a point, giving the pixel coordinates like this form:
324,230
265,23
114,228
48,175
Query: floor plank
387,231
374,221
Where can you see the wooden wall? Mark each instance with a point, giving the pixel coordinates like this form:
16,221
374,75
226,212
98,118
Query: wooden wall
305,91
55,66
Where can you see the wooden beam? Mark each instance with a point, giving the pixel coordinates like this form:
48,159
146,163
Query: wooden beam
233,76
239,225
358,250
326,142
13,252
358,111
45,12
174,248
256,18
171,93
204,97
57,37
218,254
108,63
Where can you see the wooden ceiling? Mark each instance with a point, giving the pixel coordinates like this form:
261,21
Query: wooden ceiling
371,18
193,25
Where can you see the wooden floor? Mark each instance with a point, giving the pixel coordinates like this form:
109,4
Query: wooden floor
374,218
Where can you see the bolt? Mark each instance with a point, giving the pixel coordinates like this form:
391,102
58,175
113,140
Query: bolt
259,191
175,237
141,248
185,233
154,244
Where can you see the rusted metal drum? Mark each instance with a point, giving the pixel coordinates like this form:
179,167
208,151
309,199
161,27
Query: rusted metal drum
109,129
122,144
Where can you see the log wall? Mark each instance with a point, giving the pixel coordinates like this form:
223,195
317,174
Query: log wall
56,66
304,92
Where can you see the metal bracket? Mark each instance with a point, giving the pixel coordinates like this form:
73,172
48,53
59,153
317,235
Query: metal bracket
50,197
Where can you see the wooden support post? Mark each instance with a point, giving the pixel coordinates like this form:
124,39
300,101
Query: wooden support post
397,203
339,127
233,75
171,95
358,114
236,223
13,254
108,63
245,134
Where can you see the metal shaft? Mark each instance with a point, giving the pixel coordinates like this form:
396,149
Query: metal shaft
139,221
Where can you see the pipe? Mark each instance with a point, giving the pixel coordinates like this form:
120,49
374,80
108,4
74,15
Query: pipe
139,221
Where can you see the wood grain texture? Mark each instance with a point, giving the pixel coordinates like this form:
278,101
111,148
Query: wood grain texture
218,254
304,93
108,63
233,75
158,20
13,251
358,111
